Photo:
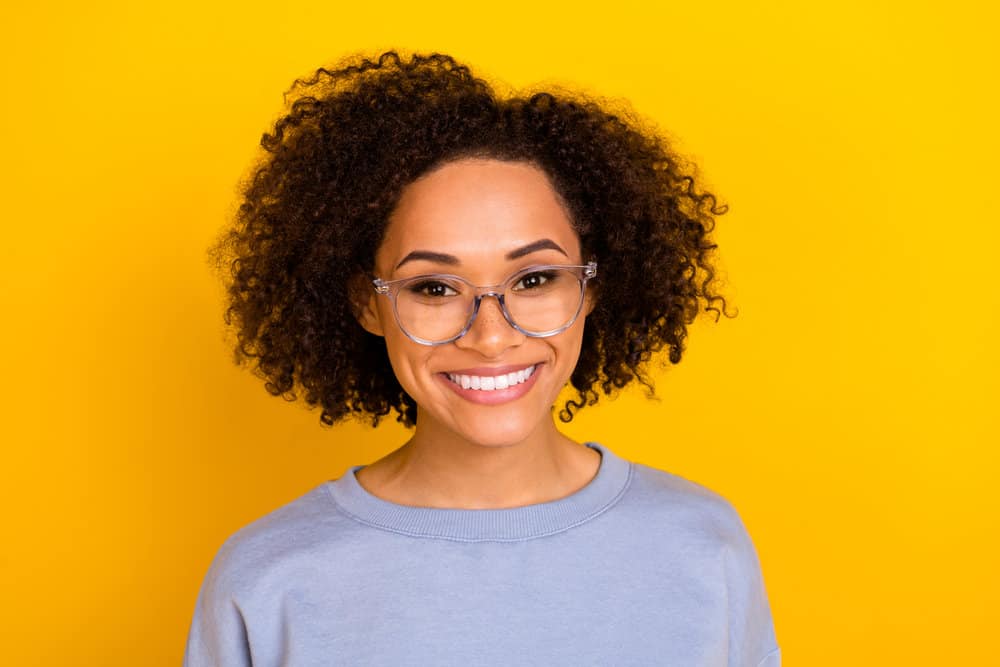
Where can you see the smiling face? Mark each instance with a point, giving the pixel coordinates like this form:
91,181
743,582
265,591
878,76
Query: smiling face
482,220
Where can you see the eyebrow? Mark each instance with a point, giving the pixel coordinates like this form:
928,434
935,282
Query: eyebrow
442,258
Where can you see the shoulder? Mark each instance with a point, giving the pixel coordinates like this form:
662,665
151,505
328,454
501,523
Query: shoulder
659,494
666,512
290,534
249,567
708,525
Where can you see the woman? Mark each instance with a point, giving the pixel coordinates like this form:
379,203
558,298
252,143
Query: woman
414,243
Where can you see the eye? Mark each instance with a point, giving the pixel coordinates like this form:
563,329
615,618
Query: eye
534,280
431,289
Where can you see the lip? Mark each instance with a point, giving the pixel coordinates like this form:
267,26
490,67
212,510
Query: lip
497,396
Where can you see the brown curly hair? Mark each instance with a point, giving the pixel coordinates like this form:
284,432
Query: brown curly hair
315,208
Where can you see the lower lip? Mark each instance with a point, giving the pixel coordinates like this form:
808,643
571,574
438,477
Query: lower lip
497,396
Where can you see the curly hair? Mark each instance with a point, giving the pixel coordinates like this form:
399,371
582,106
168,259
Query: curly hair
314,210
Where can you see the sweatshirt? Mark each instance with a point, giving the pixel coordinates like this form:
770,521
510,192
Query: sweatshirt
638,567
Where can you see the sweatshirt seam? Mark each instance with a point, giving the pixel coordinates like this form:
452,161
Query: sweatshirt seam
451,538
770,654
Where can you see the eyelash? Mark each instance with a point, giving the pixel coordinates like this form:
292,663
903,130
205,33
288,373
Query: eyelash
545,275
423,287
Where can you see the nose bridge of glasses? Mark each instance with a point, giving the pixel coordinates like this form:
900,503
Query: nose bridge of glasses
495,291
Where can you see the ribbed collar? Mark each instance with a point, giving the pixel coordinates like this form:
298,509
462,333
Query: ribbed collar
474,525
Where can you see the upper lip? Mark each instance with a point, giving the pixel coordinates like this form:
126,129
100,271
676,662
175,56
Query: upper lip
487,371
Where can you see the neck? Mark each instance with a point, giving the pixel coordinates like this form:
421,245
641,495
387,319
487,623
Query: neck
439,469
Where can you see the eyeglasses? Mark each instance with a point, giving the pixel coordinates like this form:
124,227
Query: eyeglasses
538,301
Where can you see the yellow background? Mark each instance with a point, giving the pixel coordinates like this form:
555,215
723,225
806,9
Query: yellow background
849,411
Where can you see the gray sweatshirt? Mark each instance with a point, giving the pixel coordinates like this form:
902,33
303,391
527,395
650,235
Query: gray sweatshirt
639,567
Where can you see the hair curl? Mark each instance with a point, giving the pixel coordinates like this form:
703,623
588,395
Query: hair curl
315,208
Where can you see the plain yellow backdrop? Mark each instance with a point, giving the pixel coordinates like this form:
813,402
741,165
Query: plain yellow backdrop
849,411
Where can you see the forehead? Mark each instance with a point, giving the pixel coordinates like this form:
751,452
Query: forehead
476,210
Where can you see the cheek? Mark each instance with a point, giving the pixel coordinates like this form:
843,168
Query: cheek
407,359
573,353
568,352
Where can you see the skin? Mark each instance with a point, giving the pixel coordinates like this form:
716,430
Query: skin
464,454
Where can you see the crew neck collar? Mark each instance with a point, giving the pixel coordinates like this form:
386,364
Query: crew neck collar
474,525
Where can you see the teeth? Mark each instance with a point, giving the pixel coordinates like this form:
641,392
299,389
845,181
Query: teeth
491,383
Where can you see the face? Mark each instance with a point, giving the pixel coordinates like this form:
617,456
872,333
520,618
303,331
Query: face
482,220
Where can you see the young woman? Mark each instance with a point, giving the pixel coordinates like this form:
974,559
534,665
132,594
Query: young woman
414,243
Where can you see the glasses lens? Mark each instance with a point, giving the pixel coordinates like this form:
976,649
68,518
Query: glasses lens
434,308
544,299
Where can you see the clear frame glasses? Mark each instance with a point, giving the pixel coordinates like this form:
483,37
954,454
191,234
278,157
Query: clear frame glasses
438,308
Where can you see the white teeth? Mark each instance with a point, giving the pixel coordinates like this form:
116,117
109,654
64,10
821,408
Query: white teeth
492,383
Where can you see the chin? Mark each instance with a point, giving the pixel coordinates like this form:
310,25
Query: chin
492,427
494,434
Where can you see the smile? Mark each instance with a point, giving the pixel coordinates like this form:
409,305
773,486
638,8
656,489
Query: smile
491,382
492,386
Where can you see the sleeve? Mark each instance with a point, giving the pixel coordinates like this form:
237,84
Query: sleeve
218,634
752,638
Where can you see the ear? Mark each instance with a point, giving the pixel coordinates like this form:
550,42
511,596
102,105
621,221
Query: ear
589,300
363,305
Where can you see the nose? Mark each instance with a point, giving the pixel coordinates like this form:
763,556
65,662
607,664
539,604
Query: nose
490,334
